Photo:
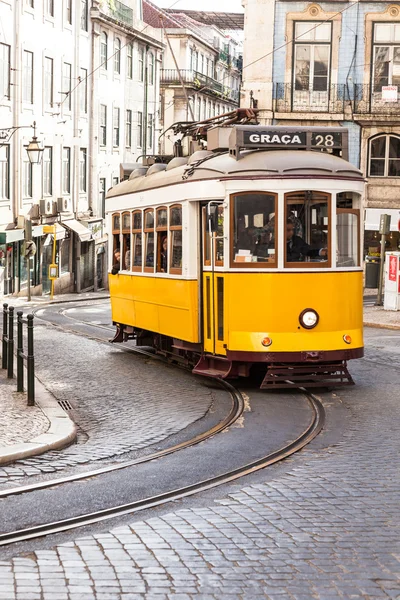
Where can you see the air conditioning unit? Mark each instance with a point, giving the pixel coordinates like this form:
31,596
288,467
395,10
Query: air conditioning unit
64,205
48,207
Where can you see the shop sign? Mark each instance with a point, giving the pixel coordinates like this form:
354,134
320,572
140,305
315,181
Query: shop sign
393,260
96,229
389,93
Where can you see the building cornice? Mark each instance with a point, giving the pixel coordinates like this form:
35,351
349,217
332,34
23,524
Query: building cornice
102,19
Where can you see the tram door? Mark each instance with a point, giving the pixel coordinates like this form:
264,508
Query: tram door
213,278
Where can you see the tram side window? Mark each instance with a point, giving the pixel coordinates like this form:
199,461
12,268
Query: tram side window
116,227
126,241
136,243
307,227
162,240
149,240
254,234
175,227
348,241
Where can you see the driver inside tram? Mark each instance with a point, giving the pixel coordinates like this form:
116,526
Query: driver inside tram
297,248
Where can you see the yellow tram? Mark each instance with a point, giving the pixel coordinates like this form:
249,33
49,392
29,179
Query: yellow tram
245,257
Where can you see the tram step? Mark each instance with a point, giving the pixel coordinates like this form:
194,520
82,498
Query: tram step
213,366
317,375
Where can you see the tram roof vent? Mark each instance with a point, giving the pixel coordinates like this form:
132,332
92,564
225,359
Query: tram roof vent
178,161
156,168
138,173
199,155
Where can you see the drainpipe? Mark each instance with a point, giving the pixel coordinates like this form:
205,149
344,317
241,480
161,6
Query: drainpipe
145,102
75,179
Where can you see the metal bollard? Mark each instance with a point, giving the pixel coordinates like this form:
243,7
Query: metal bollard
31,363
10,359
4,351
20,352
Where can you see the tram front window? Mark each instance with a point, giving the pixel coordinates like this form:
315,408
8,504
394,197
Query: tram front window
254,228
307,227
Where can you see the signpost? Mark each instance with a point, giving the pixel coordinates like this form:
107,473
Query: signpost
384,229
53,268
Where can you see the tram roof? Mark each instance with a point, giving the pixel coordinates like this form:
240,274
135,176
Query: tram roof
253,163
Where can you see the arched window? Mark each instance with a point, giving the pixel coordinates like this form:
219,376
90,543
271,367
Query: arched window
117,56
103,50
384,156
129,61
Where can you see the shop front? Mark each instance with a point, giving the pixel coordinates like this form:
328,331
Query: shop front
372,237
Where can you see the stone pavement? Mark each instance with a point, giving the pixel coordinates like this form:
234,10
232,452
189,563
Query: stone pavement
324,525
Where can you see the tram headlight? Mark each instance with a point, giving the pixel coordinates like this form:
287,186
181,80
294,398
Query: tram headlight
309,318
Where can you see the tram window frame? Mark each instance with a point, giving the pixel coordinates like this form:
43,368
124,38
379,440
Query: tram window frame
174,228
137,231
147,232
162,232
116,233
325,264
126,238
356,212
272,264
207,238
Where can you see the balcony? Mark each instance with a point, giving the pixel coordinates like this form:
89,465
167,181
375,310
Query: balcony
119,12
368,100
200,82
289,100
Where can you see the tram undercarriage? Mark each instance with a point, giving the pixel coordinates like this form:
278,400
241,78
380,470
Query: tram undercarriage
279,370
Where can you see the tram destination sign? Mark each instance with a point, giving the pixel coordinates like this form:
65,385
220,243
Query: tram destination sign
307,138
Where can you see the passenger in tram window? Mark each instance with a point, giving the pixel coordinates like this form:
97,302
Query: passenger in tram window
297,249
298,226
164,255
117,261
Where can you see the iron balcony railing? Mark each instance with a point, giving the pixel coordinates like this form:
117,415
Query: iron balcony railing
121,12
373,100
289,99
199,81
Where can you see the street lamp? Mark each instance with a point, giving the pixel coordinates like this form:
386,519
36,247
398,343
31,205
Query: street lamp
34,150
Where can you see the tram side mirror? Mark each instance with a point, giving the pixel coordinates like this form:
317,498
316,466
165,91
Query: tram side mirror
212,211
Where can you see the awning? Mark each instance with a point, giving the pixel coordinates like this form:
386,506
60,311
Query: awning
83,232
37,231
373,216
7,236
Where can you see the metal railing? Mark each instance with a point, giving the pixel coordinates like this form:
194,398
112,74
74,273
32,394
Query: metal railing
121,12
370,100
8,343
288,99
199,81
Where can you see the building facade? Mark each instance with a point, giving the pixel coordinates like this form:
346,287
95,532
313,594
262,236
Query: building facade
338,64
75,69
206,59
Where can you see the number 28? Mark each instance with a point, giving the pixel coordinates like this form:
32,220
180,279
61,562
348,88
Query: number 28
324,140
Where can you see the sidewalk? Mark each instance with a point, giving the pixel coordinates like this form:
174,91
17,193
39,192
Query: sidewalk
21,301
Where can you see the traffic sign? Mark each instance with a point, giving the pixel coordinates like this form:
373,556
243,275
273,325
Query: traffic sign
30,248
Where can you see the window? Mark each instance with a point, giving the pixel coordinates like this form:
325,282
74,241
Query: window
311,56
102,194
84,15
103,50
5,71
307,229
386,55
136,243
103,125
198,108
48,171
175,228
116,225
162,240
149,240
201,63
126,241
66,171
150,126
5,172
49,7
117,56
67,82
26,176
384,156
83,170
348,238
140,130
27,77
68,11
65,245
151,69
207,66
83,91
141,63
129,61
254,233
48,82
204,109
128,129
116,127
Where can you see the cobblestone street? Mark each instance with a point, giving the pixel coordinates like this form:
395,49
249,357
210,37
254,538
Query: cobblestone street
323,525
